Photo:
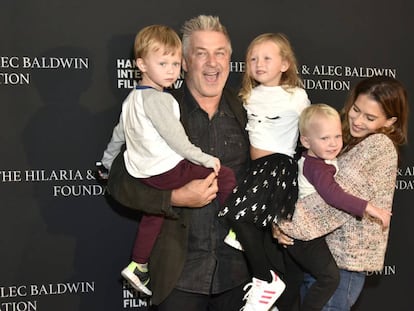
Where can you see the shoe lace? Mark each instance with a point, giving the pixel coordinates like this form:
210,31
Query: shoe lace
249,296
143,276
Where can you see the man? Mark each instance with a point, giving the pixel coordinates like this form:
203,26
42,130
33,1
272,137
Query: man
190,267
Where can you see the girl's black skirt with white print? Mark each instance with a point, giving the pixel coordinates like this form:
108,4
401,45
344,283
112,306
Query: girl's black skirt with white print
268,192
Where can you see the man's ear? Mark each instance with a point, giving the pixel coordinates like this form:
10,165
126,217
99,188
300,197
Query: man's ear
141,64
184,65
305,141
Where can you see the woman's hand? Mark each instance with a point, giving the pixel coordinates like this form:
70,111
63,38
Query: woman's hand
282,238
196,193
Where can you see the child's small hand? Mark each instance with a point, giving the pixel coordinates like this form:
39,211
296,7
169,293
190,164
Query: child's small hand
217,165
101,173
383,215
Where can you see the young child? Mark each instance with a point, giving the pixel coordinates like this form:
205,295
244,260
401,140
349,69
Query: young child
321,134
158,152
273,98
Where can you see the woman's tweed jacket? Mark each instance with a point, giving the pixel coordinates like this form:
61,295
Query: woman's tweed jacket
368,171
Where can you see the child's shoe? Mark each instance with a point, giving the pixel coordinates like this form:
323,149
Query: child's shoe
138,277
262,295
231,240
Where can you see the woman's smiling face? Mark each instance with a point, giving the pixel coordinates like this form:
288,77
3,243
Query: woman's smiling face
366,117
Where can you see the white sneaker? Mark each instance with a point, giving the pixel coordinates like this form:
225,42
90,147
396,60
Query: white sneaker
231,240
262,295
137,278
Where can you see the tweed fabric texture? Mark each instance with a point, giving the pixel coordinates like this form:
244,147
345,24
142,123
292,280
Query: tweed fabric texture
368,171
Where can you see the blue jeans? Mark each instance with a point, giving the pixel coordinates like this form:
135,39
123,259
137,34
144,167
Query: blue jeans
347,293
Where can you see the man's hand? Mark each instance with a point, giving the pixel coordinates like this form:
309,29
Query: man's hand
196,193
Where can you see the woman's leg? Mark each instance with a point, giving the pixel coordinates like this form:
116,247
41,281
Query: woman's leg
349,288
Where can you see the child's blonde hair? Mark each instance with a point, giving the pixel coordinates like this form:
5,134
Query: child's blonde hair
311,111
290,78
155,37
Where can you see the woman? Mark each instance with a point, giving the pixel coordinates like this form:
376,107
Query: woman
374,126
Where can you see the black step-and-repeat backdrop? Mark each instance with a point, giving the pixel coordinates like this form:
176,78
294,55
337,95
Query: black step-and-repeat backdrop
65,67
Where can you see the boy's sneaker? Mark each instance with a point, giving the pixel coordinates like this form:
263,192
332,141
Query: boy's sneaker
231,240
262,295
137,278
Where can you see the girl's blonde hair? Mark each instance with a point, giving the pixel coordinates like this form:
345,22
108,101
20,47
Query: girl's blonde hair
154,37
290,78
